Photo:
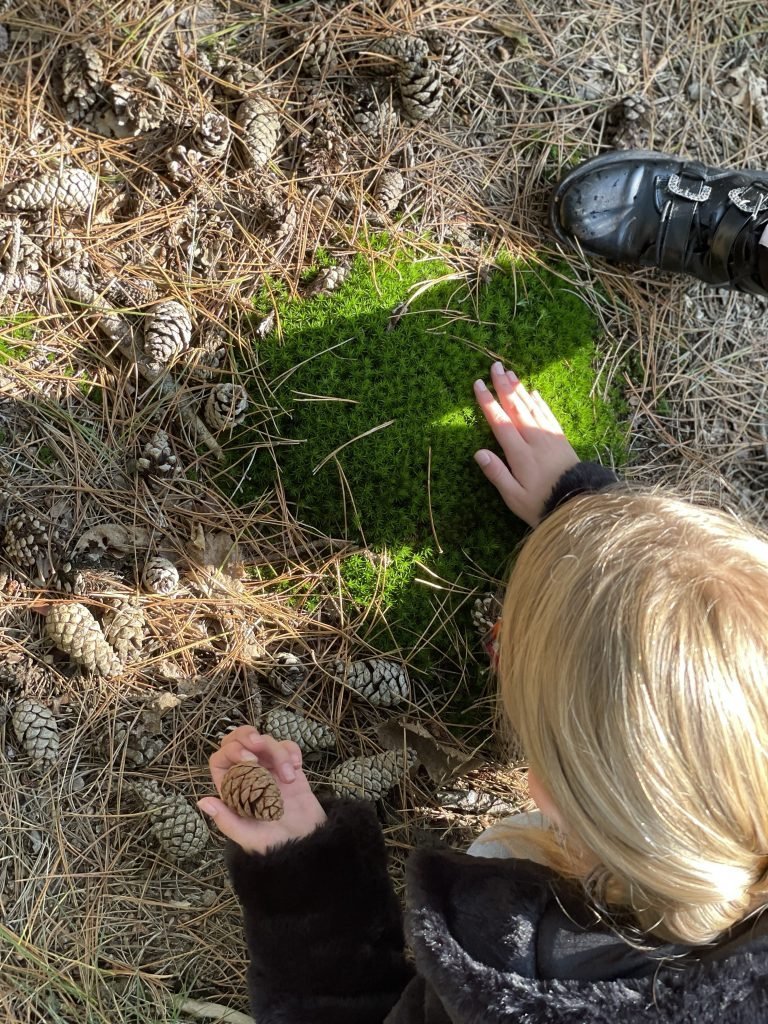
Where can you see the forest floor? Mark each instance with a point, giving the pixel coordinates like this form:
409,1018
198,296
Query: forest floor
262,166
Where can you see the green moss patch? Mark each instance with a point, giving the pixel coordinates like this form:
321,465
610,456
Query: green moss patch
395,405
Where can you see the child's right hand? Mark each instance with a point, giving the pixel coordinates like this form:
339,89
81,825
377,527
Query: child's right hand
537,451
303,812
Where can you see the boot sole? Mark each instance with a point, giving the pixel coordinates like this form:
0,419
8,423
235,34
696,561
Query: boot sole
602,160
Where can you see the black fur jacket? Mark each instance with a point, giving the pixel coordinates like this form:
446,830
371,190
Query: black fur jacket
493,940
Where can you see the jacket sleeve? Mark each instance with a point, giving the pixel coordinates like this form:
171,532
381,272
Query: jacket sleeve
583,478
323,924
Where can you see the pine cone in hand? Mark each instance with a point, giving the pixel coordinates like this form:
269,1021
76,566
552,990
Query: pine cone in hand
73,629
250,791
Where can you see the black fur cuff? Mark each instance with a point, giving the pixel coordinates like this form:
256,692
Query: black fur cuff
583,478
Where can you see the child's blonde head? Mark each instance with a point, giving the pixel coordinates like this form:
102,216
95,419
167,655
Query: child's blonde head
634,666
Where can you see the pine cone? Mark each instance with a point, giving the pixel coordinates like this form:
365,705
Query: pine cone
379,680
390,186
134,744
448,48
27,678
226,406
176,826
139,101
327,280
212,134
73,629
157,464
82,72
33,544
70,188
421,89
400,50
37,731
167,332
160,576
288,674
61,248
250,791
26,256
373,114
310,735
370,778
67,579
123,626
485,612
324,147
259,131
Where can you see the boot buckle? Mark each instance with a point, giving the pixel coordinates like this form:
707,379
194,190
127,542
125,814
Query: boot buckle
676,188
749,199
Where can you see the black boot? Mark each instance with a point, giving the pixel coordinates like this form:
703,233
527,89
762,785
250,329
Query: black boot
654,210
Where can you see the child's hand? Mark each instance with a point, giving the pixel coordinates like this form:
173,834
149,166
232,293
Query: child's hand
303,812
532,440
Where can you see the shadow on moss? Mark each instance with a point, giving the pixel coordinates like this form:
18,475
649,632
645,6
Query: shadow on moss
395,405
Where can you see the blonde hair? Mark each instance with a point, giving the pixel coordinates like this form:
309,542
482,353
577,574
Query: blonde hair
634,668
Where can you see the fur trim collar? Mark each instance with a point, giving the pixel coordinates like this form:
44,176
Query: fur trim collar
454,901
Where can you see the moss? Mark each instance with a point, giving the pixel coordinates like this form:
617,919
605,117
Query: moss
410,490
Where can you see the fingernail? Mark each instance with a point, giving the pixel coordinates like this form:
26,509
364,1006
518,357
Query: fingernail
248,755
480,385
497,368
287,772
482,458
208,807
512,375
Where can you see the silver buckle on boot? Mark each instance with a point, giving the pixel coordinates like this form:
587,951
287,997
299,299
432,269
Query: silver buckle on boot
677,189
748,203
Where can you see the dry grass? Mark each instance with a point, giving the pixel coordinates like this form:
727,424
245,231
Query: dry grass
97,925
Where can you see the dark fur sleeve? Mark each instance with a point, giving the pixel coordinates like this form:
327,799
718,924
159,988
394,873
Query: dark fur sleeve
322,922
583,478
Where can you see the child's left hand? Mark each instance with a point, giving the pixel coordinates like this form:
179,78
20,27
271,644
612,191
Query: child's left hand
303,812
